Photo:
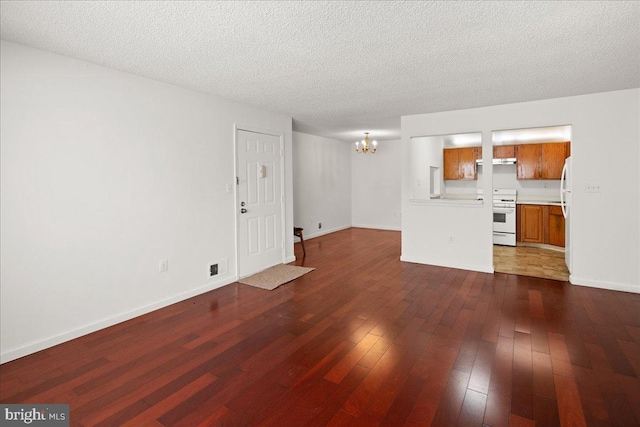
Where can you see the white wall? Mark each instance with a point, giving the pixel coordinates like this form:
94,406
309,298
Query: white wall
321,184
337,187
504,176
604,147
375,187
103,174
426,152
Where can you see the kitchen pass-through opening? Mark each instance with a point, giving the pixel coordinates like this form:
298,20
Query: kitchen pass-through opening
532,201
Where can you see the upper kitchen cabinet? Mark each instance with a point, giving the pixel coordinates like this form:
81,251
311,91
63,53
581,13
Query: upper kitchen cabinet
460,163
553,156
468,168
504,151
528,161
451,160
541,161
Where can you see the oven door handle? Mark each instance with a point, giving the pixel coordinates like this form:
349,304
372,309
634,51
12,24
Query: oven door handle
504,210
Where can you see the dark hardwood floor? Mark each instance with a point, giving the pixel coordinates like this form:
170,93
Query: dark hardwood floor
363,340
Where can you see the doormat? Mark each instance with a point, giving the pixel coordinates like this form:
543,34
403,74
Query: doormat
275,276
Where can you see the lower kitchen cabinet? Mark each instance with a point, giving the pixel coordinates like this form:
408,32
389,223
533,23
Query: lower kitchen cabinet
532,223
540,224
556,226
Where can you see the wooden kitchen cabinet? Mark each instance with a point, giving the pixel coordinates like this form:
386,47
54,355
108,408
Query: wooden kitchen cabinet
532,223
540,224
451,160
552,158
556,226
468,163
541,161
528,161
460,163
518,223
504,151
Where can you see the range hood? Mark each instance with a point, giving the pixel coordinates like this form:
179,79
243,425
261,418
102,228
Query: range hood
505,161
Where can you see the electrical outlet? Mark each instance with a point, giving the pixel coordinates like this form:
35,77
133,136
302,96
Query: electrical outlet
164,265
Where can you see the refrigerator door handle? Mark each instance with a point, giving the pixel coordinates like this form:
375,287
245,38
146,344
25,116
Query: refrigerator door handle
563,189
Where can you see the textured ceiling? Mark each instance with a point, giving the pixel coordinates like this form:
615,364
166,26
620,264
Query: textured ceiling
342,68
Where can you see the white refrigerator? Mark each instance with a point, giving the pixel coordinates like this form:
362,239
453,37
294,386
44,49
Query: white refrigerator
565,202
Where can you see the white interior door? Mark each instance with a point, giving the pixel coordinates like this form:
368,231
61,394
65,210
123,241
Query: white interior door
260,233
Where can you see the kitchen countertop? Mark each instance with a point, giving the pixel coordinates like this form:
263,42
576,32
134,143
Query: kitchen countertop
456,196
525,200
529,201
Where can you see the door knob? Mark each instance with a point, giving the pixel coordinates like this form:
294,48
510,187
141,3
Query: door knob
243,210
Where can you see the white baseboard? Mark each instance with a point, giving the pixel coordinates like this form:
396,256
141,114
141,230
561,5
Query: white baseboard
289,259
45,343
578,281
460,266
378,227
323,232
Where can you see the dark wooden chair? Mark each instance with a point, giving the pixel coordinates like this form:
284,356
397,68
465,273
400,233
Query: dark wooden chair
297,231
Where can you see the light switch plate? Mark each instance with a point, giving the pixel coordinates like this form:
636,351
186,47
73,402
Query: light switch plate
593,188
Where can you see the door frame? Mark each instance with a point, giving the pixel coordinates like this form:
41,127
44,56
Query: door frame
255,129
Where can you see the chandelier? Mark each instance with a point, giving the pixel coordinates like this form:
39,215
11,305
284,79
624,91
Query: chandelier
367,147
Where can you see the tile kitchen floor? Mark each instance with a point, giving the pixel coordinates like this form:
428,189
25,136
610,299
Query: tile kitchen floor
530,261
